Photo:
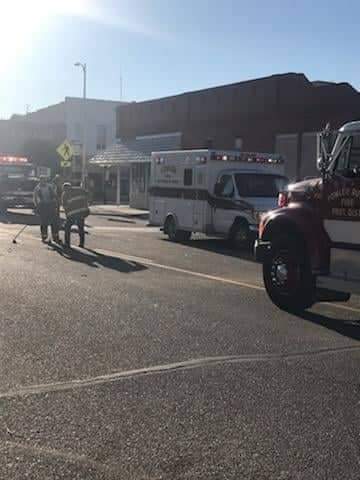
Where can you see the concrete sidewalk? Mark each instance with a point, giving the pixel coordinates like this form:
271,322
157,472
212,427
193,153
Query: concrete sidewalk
118,210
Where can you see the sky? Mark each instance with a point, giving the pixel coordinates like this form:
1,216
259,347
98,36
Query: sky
165,47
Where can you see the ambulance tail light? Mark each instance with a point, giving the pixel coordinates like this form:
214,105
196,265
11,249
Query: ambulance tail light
283,199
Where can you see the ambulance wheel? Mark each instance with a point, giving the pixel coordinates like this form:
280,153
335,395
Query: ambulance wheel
287,276
3,208
240,235
173,233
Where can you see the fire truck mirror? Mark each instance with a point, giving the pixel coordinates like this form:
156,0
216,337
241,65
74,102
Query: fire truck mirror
320,164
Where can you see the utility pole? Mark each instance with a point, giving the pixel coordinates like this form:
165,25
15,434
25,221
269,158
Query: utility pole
83,170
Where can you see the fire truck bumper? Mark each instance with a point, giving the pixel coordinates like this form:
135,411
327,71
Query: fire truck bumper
261,250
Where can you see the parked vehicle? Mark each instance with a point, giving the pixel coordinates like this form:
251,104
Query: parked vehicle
17,182
310,246
220,193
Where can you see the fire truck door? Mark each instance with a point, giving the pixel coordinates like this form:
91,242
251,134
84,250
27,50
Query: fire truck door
341,204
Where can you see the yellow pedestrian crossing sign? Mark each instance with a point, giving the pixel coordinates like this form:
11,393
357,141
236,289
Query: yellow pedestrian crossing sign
66,152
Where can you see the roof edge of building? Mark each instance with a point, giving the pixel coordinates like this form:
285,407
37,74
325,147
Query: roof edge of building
227,85
96,100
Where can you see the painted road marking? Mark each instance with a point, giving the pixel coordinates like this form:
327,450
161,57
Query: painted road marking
171,367
149,262
152,263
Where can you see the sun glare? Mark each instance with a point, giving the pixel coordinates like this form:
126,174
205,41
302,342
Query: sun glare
21,20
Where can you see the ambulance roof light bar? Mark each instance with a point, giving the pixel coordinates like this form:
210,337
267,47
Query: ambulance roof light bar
249,158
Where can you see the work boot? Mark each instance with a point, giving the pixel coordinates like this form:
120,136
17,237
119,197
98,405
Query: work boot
44,239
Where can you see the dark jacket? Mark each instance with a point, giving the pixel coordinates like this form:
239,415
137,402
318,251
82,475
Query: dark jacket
45,203
75,202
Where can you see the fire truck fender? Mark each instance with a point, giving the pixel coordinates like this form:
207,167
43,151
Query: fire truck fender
306,225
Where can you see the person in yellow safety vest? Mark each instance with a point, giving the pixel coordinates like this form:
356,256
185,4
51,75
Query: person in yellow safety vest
75,203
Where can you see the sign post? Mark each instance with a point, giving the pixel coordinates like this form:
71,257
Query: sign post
66,152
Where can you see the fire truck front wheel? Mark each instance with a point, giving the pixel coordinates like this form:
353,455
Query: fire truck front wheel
174,234
287,276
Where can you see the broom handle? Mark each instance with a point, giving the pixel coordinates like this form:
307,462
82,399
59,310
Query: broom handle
20,232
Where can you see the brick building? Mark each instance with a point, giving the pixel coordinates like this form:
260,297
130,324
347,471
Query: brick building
280,113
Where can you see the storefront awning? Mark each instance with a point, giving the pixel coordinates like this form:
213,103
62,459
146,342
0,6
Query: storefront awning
137,150
120,154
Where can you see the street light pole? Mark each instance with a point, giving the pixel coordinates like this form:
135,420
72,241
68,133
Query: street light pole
83,169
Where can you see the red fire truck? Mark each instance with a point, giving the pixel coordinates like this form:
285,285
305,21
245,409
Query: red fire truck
17,182
310,245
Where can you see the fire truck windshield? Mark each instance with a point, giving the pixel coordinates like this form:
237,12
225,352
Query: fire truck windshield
349,156
16,171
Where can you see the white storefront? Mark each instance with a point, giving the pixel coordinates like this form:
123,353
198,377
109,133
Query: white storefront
136,154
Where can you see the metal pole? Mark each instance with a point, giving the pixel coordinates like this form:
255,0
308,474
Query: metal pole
118,193
83,172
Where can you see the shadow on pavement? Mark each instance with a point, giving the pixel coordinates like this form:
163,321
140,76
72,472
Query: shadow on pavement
220,246
134,216
97,260
120,220
347,328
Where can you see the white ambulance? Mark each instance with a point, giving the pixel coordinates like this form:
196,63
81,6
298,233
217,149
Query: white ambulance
220,193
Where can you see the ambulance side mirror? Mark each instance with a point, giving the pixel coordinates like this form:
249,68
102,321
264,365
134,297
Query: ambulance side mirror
218,189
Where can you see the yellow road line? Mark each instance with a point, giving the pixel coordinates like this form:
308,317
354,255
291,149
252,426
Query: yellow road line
341,307
149,262
152,263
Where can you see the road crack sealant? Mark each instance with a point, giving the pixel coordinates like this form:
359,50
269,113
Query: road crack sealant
204,362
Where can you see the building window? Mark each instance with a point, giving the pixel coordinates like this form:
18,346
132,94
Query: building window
100,137
188,174
238,143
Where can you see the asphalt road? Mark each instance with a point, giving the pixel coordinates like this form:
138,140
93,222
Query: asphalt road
138,358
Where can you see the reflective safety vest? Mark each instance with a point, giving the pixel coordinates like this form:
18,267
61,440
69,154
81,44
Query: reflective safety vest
75,202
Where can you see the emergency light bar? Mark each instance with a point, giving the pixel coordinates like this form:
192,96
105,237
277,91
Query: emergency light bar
160,160
248,158
10,160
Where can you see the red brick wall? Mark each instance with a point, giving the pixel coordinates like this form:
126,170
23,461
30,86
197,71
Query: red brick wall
256,111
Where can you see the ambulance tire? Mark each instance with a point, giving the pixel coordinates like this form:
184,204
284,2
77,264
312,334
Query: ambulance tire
287,275
173,233
3,208
240,235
